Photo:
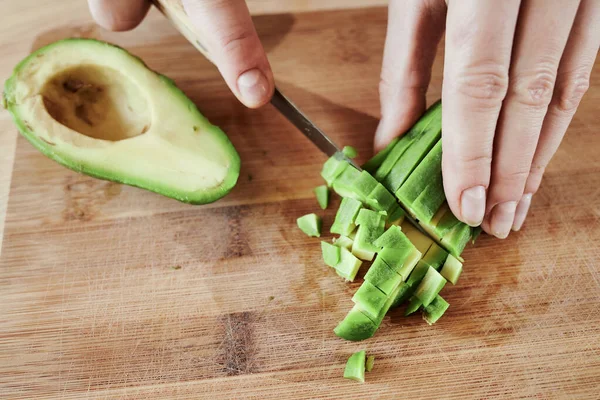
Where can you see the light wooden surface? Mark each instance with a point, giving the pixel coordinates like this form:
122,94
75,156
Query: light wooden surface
92,306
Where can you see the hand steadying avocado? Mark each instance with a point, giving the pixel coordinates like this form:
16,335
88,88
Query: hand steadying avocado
515,71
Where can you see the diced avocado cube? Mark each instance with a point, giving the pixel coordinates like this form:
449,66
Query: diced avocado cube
430,286
412,157
356,326
435,310
430,200
370,227
439,214
331,254
435,256
310,224
409,264
396,152
456,240
414,304
368,217
343,241
333,167
396,217
374,163
369,299
386,307
393,238
452,269
381,199
417,274
346,214
322,195
403,294
355,367
343,185
416,237
401,261
369,364
383,277
422,176
352,235
364,185
349,151
348,266
446,223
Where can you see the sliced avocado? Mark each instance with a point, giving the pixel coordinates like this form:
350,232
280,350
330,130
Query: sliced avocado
393,238
381,199
396,217
436,256
446,223
435,220
333,168
430,286
416,237
403,294
310,224
343,241
331,254
435,310
349,152
356,326
386,307
417,274
422,176
374,163
97,109
370,227
355,367
369,364
343,185
346,214
382,276
414,304
348,266
364,185
456,240
452,269
322,195
430,200
369,299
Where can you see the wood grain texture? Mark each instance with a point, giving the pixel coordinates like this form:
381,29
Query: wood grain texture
94,305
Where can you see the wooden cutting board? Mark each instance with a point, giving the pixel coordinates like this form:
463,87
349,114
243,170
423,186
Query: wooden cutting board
107,291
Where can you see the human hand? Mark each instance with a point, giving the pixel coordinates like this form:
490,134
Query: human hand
229,35
514,74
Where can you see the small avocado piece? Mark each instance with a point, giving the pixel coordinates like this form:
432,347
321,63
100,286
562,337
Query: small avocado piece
436,256
355,367
396,217
435,310
374,163
447,222
364,185
355,326
343,241
368,217
99,110
345,217
333,167
381,199
386,307
423,175
401,261
393,238
418,239
404,293
310,224
331,254
456,240
452,269
370,227
414,304
343,185
435,220
383,277
322,195
369,299
350,152
417,274
369,364
348,266
430,286
430,200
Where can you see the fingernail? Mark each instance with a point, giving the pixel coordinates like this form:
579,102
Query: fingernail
522,210
472,205
254,87
503,216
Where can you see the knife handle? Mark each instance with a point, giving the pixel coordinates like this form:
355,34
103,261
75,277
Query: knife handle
173,10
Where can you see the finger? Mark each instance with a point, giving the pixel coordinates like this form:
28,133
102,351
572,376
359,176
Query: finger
479,39
235,47
542,32
572,82
413,33
118,15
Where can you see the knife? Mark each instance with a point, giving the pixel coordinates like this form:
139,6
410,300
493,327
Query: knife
173,10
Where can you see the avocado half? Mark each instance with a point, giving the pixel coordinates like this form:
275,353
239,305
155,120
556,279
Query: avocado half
96,109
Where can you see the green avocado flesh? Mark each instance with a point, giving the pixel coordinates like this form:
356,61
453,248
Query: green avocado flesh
370,362
344,183
97,109
383,277
310,224
430,286
349,152
393,238
369,299
414,304
355,367
374,163
356,326
348,265
333,167
345,217
452,269
322,195
435,310
331,254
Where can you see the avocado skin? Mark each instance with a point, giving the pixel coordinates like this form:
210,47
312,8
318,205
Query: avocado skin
195,198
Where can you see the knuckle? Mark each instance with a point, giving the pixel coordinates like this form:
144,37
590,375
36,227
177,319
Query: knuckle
487,83
570,90
235,40
535,88
469,164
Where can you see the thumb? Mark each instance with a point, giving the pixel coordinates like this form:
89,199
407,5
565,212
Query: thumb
234,46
